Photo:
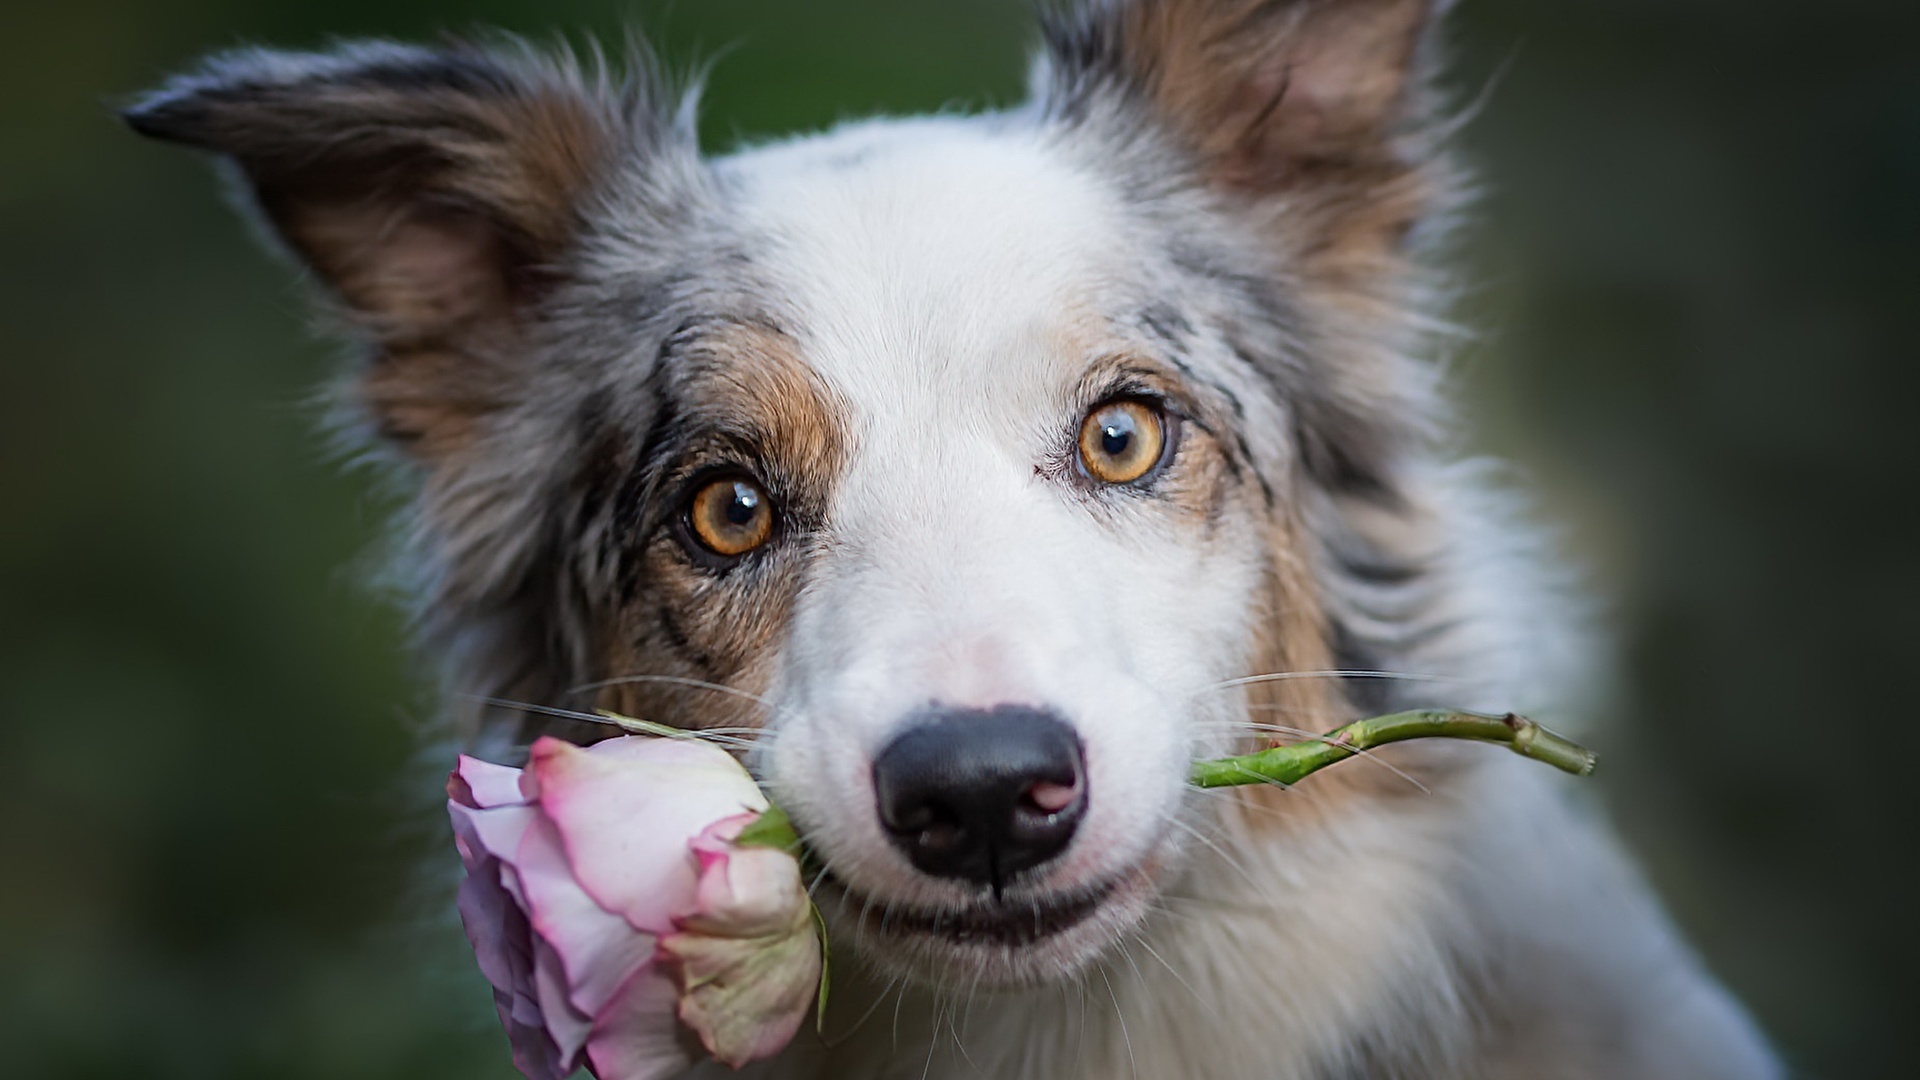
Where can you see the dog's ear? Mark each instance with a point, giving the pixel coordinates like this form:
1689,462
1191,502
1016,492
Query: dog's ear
430,190
1315,101
1311,122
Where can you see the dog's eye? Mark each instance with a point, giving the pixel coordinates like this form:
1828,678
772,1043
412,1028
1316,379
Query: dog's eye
730,516
1121,441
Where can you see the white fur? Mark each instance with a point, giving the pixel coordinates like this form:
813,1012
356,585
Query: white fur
944,277
938,287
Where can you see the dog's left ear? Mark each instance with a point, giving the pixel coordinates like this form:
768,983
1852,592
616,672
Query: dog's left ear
1309,108
433,193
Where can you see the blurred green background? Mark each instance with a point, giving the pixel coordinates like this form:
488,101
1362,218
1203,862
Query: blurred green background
1696,277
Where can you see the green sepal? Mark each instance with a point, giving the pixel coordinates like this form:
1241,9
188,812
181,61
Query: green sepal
771,829
633,726
826,969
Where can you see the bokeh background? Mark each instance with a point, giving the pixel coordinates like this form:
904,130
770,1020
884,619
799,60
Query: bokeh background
1695,277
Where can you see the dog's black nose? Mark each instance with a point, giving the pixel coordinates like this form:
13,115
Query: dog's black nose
982,794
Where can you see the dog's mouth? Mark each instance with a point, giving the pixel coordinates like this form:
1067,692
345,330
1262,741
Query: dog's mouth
1023,936
1003,922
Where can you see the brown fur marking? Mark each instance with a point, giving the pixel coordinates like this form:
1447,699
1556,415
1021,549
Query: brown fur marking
1305,99
1292,634
430,191
742,386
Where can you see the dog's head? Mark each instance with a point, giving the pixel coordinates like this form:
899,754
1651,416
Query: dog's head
965,462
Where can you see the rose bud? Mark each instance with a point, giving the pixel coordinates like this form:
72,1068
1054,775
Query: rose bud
613,912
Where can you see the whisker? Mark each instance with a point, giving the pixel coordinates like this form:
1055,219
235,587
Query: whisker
817,879
1161,910
1138,975
1281,676
1232,795
717,736
1217,907
1080,1042
954,1021
1257,781
933,1041
673,680
1216,904
1066,1002
939,999
1211,845
1312,736
966,1015
544,710
1120,1015
1177,977
1274,706
878,1000
898,1001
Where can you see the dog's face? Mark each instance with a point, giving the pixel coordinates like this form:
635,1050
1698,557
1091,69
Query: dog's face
965,461
1036,547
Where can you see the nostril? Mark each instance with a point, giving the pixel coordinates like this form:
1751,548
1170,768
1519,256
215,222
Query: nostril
908,816
940,838
929,825
1052,798
981,795
1047,814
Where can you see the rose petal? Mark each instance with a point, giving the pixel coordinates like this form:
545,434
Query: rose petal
535,1053
626,810
567,1026
638,1036
492,914
524,1007
577,863
516,952
598,951
667,753
484,834
718,838
490,919
661,752
746,997
483,785
748,957
746,892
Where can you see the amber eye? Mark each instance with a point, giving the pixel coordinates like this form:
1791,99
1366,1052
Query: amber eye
730,516
1122,441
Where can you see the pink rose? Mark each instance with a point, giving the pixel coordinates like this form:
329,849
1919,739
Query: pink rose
613,914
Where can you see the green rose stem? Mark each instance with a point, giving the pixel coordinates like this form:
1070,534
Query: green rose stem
1294,762
1287,764
1291,763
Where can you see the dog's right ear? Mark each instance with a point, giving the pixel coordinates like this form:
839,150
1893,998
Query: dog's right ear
1301,107
1310,121
432,191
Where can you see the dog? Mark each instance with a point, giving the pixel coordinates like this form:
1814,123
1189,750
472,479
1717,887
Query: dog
983,472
